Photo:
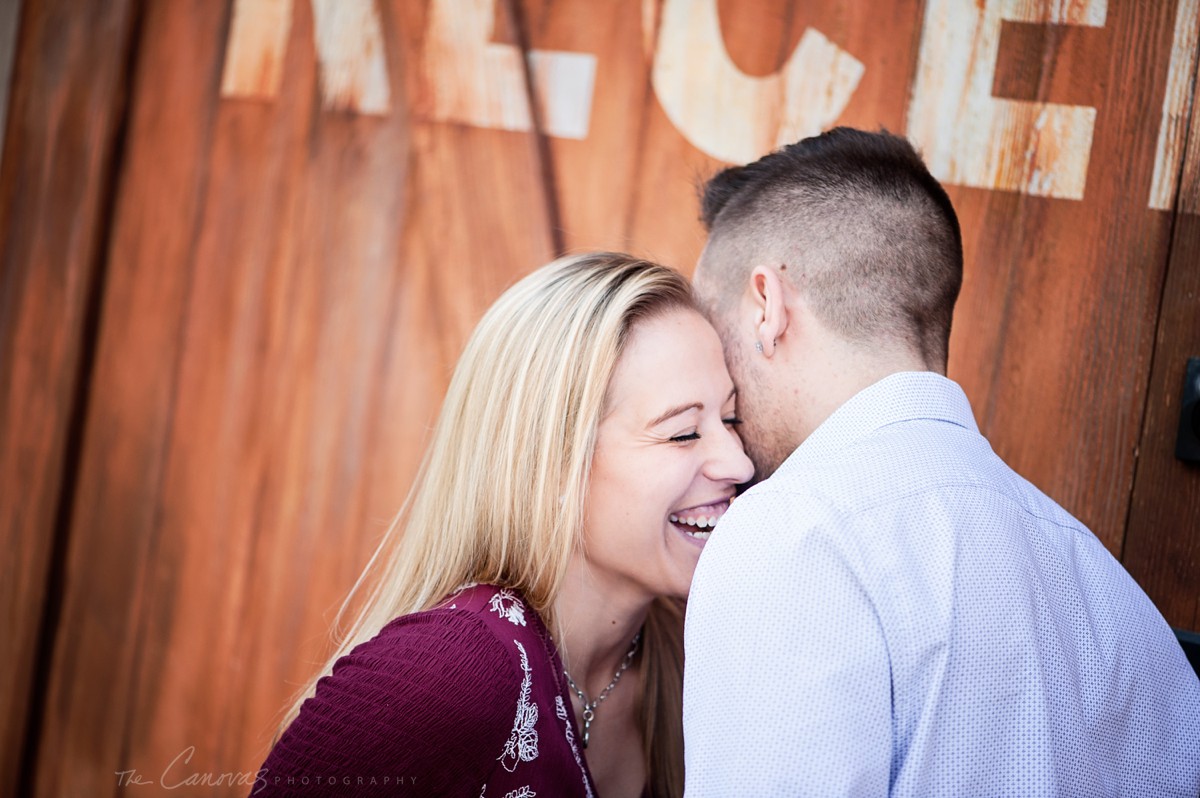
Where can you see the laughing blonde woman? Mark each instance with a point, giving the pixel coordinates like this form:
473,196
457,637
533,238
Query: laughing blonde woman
522,629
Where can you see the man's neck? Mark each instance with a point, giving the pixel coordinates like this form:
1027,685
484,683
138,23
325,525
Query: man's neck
836,371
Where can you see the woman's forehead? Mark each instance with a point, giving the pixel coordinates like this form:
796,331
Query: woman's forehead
670,359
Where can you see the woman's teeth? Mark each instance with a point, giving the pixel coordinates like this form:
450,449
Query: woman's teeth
700,519
701,523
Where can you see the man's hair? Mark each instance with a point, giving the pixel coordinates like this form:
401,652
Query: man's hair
857,223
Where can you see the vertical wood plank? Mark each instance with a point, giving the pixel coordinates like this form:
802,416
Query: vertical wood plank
10,13
1177,105
55,188
112,555
594,176
1162,539
1054,330
277,337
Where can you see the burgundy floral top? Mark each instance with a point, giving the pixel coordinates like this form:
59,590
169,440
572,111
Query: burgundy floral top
466,699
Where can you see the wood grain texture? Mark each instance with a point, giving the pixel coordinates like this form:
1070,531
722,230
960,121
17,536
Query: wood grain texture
279,328
593,180
113,542
1054,330
10,14
291,279
734,116
1177,104
1162,539
661,213
54,191
970,136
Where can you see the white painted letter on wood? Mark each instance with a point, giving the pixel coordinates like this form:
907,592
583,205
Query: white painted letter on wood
467,78
733,116
350,56
1177,105
969,137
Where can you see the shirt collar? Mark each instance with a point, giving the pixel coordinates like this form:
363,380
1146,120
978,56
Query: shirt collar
904,396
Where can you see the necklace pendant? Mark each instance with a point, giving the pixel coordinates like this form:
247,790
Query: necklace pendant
589,714
589,707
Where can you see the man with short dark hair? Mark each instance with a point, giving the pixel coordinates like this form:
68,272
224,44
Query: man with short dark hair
892,610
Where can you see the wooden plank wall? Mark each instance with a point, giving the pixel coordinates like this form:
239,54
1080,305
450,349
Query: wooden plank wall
243,242
56,182
10,13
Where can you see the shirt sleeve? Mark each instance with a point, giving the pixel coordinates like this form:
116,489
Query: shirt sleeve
423,708
787,687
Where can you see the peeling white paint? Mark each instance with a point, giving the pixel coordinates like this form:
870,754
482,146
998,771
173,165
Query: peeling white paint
1177,105
471,80
969,137
350,52
733,116
349,45
255,49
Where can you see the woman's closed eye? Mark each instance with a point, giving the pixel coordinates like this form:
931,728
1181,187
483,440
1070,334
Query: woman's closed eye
694,435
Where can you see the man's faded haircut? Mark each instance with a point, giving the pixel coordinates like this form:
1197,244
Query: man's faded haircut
857,223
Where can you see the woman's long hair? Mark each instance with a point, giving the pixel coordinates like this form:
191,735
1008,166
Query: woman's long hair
499,495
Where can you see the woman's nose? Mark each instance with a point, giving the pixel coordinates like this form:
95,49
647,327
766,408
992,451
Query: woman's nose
728,462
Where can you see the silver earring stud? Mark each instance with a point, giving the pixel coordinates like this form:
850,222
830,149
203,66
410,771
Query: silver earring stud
758,347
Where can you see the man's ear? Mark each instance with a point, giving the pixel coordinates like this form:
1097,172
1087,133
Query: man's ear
767,291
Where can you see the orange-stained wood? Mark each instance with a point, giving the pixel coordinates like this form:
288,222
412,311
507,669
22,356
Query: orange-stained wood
113,556
59,156
10,14
1162,539
294,262
760,38
290,287
1054,330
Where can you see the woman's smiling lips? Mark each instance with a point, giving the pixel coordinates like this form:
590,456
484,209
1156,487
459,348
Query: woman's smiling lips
697,522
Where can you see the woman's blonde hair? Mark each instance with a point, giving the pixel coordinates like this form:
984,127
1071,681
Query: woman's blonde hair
499,496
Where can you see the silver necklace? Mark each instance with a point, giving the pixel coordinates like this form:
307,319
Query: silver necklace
589,707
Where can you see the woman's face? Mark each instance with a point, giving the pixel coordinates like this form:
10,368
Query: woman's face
668,457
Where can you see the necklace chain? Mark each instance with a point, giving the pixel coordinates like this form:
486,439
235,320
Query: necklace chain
589,707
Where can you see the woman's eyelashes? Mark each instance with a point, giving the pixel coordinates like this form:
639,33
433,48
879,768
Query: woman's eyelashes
694,435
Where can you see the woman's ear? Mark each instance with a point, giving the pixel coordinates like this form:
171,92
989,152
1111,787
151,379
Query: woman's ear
767,294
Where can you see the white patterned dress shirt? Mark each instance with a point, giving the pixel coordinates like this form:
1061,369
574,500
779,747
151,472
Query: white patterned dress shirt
896,612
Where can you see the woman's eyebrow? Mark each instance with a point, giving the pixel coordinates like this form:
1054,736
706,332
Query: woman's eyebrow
675,411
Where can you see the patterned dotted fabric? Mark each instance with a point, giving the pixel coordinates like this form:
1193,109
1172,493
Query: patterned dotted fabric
896,612
467,699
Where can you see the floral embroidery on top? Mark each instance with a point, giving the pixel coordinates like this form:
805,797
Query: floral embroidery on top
522,743
560,709
506,604
454,594
524,792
